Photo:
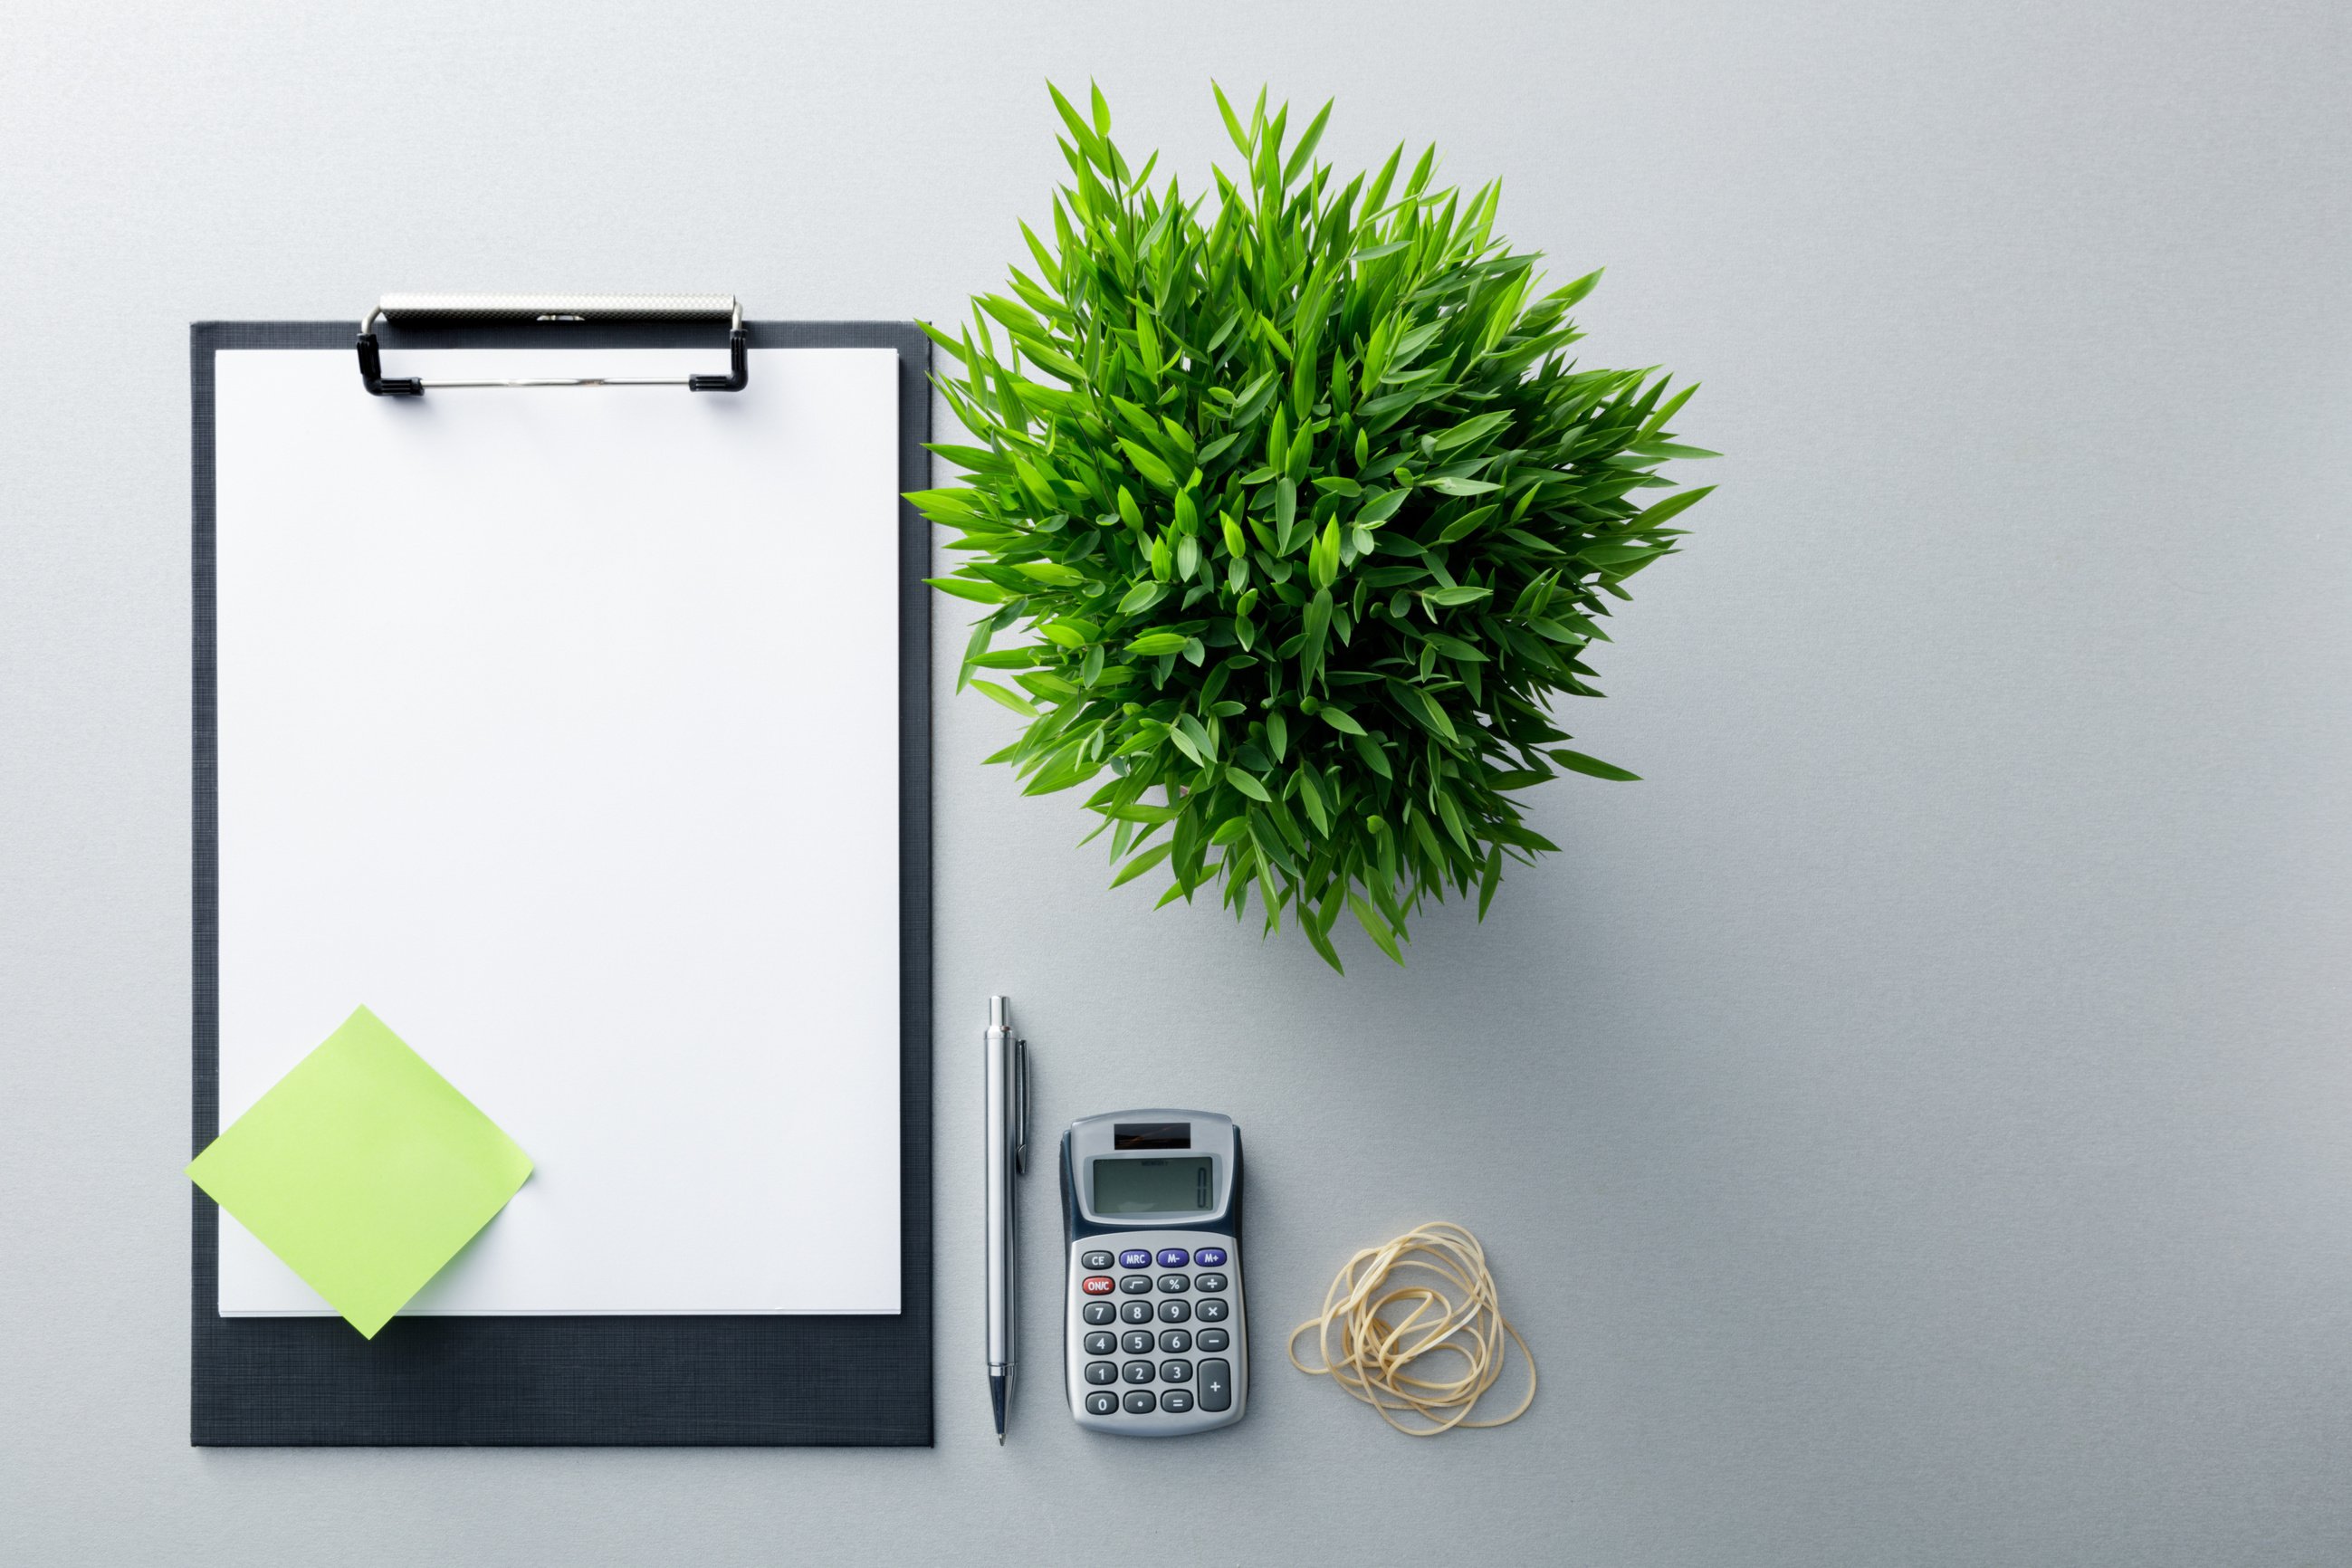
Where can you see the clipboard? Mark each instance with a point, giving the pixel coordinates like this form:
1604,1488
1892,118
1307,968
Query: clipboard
588,1378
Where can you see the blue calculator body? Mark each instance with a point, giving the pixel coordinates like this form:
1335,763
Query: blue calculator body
1155,1334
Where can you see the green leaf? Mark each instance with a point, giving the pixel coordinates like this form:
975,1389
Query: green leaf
1142,596
1138,864
1151,644
1489,879
1457,594
1052,572
1306,148
1658,514
1375,928
1465,525
1020,705
1470,430
1247,783
1577,762
1147,463
1339,719
1454,487
965,588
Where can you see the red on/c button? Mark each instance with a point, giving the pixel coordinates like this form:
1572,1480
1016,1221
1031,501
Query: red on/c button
1097,1285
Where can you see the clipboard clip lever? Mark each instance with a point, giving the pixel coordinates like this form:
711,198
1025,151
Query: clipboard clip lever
462,309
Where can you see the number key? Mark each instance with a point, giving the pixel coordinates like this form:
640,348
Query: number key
1101,1371
1101,1403
1101,1343
1099,1312
1135,1371
1138,1311
1138,1341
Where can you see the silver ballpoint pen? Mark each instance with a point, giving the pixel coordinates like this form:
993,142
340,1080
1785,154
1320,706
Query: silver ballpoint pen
1008,1157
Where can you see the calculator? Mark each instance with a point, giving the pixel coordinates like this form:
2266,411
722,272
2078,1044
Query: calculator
1155,1337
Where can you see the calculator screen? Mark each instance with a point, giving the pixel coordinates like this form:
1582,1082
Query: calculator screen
1177,1186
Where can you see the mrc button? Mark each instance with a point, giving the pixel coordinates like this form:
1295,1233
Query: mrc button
1209,1257
1135,1258
1098,1285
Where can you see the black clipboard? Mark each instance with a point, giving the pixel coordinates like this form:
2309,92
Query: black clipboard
601,1381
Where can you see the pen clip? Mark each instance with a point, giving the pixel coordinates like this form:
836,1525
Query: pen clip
1020,1106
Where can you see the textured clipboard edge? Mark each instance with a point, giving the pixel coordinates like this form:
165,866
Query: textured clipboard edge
588,1381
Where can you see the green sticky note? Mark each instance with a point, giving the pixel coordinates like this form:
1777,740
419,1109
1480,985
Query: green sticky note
365,1170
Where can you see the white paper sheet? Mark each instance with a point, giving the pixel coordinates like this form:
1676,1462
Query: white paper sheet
559,728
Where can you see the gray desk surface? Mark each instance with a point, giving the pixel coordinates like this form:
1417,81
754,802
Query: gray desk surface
1913,1126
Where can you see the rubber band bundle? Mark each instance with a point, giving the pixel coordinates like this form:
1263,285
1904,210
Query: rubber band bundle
1373,1334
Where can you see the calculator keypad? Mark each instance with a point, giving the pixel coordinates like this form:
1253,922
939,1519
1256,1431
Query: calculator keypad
1164,1300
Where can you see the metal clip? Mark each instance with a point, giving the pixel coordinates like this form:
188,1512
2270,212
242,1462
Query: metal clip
453,309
